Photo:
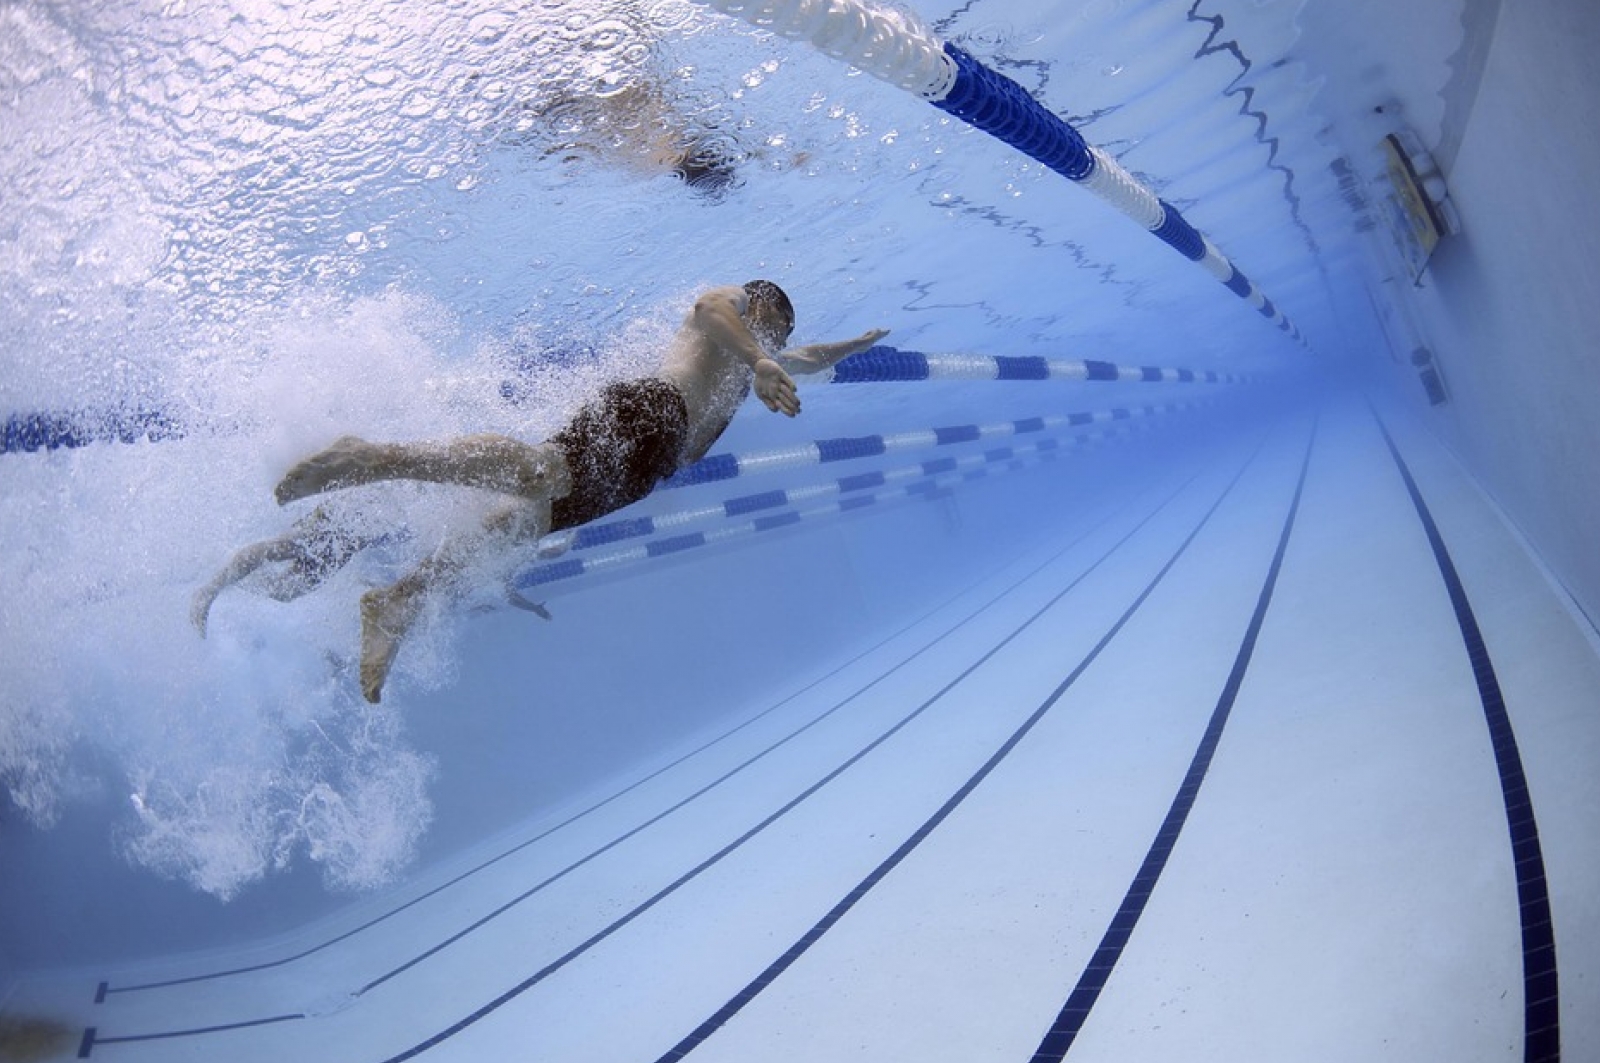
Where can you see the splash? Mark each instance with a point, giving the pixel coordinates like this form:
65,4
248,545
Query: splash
238,753
233,215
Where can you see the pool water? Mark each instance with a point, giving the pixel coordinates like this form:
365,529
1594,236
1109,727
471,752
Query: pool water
1243,712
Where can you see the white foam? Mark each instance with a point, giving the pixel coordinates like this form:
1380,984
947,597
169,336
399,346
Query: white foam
236,755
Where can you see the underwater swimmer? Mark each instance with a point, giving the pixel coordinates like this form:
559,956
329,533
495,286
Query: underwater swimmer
613,452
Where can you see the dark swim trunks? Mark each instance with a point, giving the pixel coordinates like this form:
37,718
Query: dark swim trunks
618,448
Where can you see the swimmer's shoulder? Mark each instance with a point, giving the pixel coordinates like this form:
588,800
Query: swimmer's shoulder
726,293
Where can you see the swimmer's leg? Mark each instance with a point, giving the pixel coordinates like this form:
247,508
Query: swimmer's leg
494,462
240,565
386,615
388,612
307,569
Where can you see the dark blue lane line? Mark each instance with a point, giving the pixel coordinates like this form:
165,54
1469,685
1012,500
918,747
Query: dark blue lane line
706,1029
785,740
1070,1019
106,989
711,861
91,1039
1541,996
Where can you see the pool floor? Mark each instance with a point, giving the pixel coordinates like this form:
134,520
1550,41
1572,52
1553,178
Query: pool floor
1225,775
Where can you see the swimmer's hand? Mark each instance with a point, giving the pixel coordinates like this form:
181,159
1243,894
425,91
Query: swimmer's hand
775,388
816,357
867,339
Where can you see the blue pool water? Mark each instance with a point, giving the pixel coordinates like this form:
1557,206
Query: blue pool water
232,233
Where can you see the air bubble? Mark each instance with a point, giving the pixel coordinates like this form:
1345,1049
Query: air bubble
670,15
489,27
606,36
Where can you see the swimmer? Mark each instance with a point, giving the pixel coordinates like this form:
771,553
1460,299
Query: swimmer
312,550
641,128
613,452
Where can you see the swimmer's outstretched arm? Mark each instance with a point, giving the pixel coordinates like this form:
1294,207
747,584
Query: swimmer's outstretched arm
816,357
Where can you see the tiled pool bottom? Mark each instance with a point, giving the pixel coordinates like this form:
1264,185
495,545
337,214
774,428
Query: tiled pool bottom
1229,774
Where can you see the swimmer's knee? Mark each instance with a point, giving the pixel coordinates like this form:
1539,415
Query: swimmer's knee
489,446
529,471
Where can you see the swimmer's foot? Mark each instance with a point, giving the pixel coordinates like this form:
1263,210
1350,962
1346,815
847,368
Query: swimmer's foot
200,608
386,615
348,462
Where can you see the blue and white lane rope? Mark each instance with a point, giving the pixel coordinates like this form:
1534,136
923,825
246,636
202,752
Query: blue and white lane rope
776,507
677,544
889,46
29,433
606,533
25,433
727,466
931,480
881,364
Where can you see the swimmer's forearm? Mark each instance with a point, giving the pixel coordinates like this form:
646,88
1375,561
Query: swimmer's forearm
817,357
813,357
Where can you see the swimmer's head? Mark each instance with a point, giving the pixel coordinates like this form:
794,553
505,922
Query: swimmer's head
770,312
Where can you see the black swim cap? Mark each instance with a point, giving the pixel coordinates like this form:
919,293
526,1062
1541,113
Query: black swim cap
772,295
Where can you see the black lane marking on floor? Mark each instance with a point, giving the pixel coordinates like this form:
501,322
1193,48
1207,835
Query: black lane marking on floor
1070,1019
795,802
1541,997
785,740
706,1029
91,1039
105,988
